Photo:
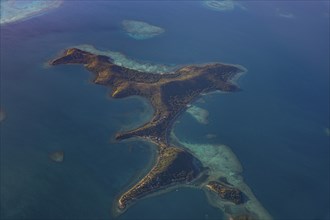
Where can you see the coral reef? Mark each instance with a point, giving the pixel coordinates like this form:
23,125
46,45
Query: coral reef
13,11
140,30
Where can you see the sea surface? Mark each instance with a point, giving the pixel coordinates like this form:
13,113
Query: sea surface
276,125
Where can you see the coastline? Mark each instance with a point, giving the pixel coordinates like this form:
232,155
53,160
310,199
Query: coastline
154,154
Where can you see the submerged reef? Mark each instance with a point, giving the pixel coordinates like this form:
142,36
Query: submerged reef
210,136
327,131
226,192
2,115
198,113
178,164
57,156
284,13
13,11
122,60
140,30
224,169
222,5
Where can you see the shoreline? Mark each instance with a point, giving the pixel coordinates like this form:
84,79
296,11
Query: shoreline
154,154
195,184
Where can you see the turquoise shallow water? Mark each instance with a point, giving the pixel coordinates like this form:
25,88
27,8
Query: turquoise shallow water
275,125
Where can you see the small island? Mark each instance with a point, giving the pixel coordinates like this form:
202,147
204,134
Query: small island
226,192
170,94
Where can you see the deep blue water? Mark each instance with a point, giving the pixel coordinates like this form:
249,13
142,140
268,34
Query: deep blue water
275,125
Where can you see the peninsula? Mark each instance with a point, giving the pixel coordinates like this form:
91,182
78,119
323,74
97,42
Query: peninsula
169,94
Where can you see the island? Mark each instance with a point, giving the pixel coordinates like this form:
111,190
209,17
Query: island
170,94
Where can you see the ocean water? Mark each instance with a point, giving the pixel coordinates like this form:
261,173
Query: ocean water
275,125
